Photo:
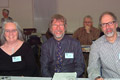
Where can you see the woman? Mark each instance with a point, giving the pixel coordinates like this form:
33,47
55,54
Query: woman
16,56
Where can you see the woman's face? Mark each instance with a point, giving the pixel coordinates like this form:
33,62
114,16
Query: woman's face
11,33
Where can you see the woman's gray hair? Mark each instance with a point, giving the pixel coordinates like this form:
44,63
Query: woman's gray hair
19,30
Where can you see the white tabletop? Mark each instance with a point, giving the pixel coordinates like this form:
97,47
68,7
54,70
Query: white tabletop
40,78
30,78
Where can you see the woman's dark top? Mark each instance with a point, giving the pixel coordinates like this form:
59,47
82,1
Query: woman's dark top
21,63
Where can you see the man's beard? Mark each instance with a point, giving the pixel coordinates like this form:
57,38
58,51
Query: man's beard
59,36
109,34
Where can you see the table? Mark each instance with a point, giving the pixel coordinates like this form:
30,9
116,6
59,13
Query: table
85,48
41,78
86,51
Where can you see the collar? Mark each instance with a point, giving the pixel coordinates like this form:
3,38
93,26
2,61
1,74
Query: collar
61,39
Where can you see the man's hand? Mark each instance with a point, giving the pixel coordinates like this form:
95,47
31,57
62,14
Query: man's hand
99,78
87,28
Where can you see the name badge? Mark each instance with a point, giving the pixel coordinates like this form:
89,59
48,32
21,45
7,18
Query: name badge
69,55
119,55
16,59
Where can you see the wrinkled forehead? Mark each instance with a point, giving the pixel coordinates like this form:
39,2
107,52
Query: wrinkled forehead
106,18
88,19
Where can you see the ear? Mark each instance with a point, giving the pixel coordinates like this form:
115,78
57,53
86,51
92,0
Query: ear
65,26
100,27
50,29
116,25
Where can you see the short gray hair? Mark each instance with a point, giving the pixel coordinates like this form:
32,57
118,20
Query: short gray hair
109,13
88,16
19,30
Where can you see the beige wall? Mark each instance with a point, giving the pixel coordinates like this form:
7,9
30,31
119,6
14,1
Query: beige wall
74,10
21,11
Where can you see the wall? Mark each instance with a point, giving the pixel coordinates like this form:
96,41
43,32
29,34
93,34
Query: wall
43,10
21,11
74,11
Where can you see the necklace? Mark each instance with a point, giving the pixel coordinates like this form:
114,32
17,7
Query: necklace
12,47
12,50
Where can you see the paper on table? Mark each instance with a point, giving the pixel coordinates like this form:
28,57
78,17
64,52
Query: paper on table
85,48
65,76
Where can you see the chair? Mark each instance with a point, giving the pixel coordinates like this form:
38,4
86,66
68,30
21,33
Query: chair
28,31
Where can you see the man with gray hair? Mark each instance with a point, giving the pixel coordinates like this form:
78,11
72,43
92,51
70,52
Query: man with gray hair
87,33
5,13
104,58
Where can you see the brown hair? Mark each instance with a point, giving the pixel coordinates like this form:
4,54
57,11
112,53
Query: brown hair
58,17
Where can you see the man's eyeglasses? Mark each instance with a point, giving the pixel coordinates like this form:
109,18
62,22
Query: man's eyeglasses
60,25
88,22
109,23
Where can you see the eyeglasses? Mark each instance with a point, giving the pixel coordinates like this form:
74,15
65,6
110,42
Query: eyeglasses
88,22
13,31
55,25
109,23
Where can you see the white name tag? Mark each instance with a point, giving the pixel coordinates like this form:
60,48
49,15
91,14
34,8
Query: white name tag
119,55
69,55
16,59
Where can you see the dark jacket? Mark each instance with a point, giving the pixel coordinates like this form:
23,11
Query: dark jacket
69,45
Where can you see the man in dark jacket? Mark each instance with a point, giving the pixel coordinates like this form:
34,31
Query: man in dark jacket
61,53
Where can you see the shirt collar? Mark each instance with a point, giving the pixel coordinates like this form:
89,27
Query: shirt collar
61,41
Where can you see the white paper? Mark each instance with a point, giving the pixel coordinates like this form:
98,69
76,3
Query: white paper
65,76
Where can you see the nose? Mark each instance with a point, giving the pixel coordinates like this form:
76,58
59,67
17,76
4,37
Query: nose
58,27
107,25
10,32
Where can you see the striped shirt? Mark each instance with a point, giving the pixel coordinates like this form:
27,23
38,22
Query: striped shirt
104,58
84,37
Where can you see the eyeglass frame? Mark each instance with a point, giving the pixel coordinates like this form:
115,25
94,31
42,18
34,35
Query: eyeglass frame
9,31
60,25
109,23
88,22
